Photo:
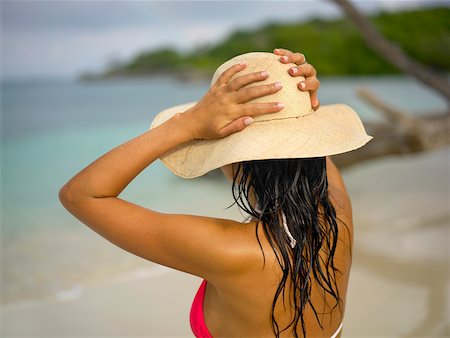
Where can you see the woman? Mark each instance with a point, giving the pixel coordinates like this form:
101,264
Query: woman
286,270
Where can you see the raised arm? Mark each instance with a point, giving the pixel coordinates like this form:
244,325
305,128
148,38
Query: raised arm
198,245
203,246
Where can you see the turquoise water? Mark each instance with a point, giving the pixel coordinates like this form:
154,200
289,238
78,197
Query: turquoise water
53,129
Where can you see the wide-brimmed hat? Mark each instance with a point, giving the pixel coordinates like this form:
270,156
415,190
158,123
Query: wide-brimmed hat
297,131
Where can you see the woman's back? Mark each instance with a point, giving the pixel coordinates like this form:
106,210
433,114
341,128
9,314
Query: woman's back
278,137
240,305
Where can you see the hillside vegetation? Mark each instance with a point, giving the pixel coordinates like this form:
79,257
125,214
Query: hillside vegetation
334,47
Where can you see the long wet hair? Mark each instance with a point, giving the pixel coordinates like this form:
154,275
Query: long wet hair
295,188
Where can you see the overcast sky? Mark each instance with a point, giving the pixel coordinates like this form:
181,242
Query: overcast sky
63,38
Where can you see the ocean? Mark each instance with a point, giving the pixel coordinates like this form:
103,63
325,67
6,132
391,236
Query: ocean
51,129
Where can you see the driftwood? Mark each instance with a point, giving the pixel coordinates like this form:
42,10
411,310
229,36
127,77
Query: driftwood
400,134
392,53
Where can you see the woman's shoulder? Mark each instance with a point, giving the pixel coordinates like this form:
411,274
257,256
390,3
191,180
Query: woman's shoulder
337,191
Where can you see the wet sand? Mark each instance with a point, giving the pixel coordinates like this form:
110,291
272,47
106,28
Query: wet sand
399,284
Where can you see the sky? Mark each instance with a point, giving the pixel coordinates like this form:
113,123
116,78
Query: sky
43,39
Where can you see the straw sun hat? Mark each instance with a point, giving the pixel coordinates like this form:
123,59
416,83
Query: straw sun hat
297,131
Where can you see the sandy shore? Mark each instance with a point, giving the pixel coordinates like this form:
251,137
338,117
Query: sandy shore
399,281
155,306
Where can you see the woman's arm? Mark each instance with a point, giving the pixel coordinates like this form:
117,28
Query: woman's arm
207,247
177,241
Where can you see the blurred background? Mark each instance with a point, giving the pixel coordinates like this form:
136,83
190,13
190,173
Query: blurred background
81,77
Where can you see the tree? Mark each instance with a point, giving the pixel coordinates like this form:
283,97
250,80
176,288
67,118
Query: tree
402,133
391,52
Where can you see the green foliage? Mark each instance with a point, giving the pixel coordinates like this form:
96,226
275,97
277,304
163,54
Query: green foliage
334,47
425,36
162,60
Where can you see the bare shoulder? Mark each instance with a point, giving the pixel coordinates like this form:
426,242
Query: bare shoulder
340,199
337,191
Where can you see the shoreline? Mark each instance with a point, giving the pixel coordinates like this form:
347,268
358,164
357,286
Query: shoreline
401,219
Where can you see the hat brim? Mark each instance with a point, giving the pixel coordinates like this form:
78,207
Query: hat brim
331,129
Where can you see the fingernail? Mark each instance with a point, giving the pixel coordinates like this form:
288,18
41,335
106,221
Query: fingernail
303,85
264,74
276,50
280,105
248,121
294,70
278,85
242,63
284,58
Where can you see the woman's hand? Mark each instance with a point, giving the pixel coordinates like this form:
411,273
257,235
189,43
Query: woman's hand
303,68
224,109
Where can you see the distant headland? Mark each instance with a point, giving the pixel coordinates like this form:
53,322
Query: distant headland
333,46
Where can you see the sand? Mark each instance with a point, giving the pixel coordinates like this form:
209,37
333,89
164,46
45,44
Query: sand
399,284
156,306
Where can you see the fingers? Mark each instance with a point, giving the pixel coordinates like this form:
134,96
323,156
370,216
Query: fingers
247,79
314,100
281,51
287,56
309,84
305,70
235,126
228,74
249,110
247,94
255,109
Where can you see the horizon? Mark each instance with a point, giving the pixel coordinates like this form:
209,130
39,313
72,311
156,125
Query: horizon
61,40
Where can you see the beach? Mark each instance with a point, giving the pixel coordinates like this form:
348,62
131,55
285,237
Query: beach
399,281
59,278
81,78
398,287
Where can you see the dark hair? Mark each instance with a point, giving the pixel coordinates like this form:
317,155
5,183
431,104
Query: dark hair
295,187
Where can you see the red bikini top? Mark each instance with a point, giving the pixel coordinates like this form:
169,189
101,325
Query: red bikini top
197,317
